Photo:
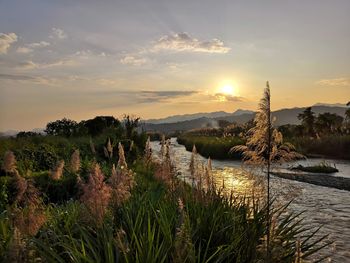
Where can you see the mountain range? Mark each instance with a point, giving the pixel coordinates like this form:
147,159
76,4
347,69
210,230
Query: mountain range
201,120
210,119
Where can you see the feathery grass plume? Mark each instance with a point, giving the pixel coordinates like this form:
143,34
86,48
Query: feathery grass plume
131,145
183,247
166,170
92,146
57,172
75,163
109,148
121,161
209,180
121,182
17,251
28,215
105,151
194,164
96,194
162,147
265,145
148,151
20,185
29,219
9,164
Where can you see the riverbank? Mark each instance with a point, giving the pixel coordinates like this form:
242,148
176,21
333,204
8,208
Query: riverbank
317,179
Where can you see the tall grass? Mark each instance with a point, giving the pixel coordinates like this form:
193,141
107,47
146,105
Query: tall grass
214,147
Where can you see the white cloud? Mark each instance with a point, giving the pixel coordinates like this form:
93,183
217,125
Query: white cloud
87,54
24,50
33,65
58,33
30,47
341,82
185,42
39,44
6,40
133,60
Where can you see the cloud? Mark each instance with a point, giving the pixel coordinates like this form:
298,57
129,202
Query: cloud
39,44
35,79
184,42
58,33
222,97
33,65
30,47
133,60
340,82
87,54
24,50
126,97
147,96
15,77
6,40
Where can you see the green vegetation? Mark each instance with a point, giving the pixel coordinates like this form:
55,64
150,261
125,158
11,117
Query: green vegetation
210,146
75,199
332,146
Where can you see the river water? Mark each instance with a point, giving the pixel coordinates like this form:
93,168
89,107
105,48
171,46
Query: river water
324,206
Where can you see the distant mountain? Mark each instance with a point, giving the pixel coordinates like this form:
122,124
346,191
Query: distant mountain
330,105
11,133
188,117
283,116
242,112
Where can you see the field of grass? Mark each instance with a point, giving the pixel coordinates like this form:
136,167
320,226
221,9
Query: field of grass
72,218
210,146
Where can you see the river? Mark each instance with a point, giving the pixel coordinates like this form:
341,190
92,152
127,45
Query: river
322,205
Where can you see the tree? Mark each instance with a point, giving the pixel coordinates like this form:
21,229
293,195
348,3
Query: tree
347,119
264,146
64,127
327,123
307,118
99,124
130,123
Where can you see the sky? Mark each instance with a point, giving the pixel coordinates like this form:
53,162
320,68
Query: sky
155,58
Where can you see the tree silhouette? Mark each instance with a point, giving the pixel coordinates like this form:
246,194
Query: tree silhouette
307,118
64,127
327,123
130,123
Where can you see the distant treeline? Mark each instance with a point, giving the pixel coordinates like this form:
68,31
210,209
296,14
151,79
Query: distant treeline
92,127
325,135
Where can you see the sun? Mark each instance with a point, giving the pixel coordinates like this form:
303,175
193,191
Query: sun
227,89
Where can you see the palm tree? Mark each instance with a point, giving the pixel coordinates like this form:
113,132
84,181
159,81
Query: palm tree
264,146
